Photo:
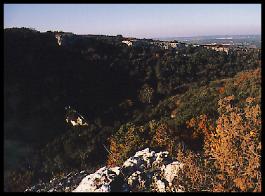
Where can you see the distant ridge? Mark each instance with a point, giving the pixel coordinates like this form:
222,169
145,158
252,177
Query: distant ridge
206,37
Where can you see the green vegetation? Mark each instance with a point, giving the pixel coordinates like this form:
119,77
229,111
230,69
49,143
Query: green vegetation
193,103
131,97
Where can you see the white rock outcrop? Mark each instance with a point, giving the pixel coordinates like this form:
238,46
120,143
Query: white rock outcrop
99,181
171,171
145,171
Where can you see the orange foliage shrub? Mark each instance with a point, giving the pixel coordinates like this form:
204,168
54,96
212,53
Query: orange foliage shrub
130,138
127,140
200,125
163,137
247,75
195,175
235,146
232,150
221,90
114,149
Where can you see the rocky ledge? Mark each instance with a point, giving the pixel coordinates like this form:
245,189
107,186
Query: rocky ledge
146,171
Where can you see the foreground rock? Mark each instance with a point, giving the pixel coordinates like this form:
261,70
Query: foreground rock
99,181
65,183
145,171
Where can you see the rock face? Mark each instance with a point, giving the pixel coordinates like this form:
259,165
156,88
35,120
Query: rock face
99,181
146,171
65,183
74,118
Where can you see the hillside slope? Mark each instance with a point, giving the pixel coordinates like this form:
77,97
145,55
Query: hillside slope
130,98
229,159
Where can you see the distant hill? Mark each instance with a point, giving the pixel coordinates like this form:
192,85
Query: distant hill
246,40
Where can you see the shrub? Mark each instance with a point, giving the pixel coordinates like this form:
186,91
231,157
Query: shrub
195,175
232,150
127,140
131,138
146,94
18,181
200,125
162,137
235,146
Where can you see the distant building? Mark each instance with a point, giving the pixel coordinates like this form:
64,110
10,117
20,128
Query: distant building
63,37
218,47
173,44
165,44
59,38
252,46
129,43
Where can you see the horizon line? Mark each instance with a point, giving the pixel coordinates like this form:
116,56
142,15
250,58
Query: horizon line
171,36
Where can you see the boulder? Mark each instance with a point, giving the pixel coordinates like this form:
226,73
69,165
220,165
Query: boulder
146,171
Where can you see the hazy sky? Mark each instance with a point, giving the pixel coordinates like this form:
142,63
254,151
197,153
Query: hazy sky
142,20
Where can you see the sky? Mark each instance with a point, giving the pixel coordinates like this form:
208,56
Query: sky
137,20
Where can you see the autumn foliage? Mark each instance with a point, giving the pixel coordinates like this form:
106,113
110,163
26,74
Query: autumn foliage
131,138
225,118
200,125
235,146
232,150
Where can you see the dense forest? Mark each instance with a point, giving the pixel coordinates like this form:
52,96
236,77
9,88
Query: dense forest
131,98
